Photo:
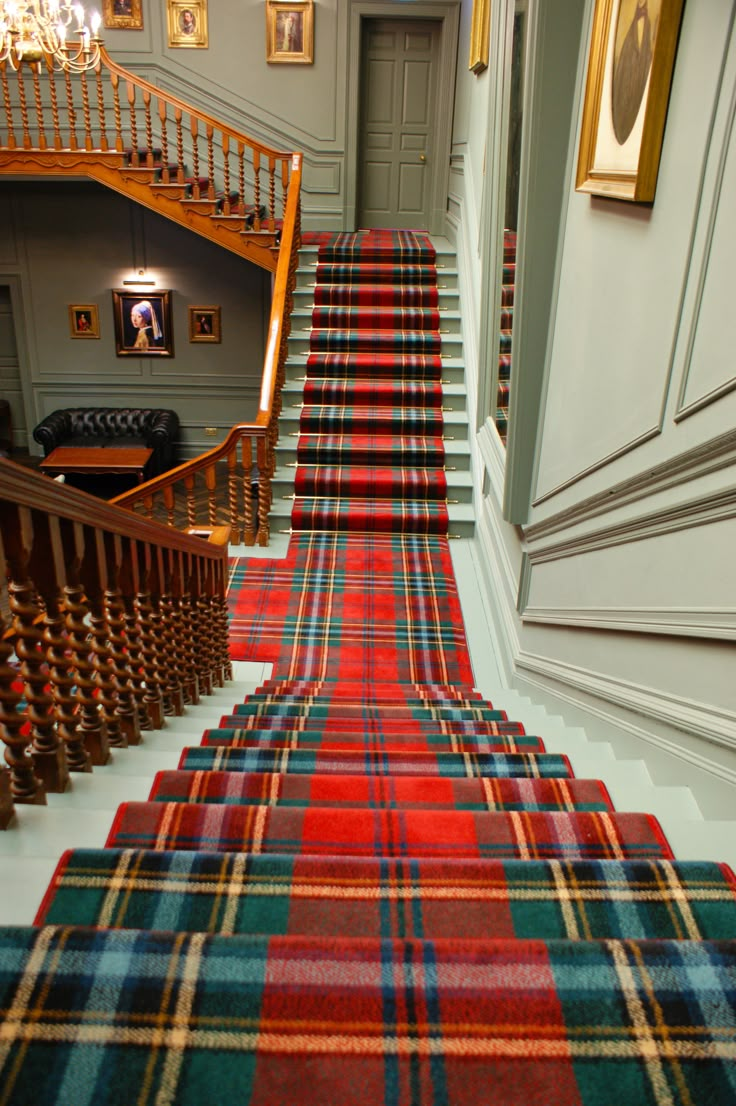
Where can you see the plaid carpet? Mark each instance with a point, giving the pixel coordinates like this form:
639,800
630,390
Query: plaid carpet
368,885
372,309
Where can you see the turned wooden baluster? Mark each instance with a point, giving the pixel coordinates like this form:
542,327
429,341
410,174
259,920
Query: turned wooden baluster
24,111
191,681
241,178
149,127
220,570
25,639
46,568
210,479
35,70
94,574
191,499
210,162
171,633
135,155
158,630
153,696
256,189
201,612
271,194
195,156
165,172
54,97
169,494
233,484
180,175
11,722
101,114
86,113
10,137
249,531
213,625
265,472
226,208
130,587
71,112
91,723
117,113
119,658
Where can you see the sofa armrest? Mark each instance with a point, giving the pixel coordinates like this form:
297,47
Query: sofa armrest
52,431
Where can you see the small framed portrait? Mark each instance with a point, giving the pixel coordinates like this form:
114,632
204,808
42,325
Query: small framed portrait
204,324
122,15
84,320
142,323
290,32
630,67
187,23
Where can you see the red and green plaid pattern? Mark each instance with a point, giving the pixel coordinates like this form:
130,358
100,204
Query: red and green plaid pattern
381,483
374,743
331,831
348,293
153,1017
372,393
383,450
243,758
394,342
347,274
388,316
346,897
367,246
343,419
421,792
368,516
407,368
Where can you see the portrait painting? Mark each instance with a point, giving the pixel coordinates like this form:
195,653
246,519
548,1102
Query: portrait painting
142,323
630,69
84,320
204,324
187,23
289,32
123,15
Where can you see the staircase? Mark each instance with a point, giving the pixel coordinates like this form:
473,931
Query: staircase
369,884
305,323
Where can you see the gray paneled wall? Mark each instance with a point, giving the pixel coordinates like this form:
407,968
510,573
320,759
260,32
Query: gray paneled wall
71,243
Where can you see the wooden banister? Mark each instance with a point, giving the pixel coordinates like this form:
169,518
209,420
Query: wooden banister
102,612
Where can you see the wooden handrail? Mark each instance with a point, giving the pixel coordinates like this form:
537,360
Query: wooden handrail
116,621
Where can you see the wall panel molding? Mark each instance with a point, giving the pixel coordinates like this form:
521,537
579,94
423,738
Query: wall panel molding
716,623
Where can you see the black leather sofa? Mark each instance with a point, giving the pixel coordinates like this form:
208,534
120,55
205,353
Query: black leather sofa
154,428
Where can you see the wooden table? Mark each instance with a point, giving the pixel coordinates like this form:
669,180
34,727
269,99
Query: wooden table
99,460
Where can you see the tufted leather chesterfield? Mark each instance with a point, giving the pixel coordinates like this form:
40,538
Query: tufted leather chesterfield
157,429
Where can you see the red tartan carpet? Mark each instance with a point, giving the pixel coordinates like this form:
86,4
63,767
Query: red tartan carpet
367,885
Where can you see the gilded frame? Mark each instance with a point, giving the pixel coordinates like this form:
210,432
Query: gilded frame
204,323
290,32
84,320
122,15
186,22
478,56
156,338
626,99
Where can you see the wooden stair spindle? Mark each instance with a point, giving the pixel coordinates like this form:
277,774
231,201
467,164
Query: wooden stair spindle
36,71
172,634
165,171
129,585
249,530
86,112
256,190
135,159
183,584
8,104
101,114
180,175
91,723
117,113
25,125
201,612
149,127
153,697
127,709
71,111
95,578
54,99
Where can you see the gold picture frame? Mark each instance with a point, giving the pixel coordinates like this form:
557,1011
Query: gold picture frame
630,65
84,320
142,323
122,15
478,57
204,323
187,23
290,32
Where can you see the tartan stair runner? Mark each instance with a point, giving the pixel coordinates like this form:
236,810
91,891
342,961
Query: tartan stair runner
370,455
368,885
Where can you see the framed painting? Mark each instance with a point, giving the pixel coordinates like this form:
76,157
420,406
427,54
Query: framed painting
204,324
478,58
290,32
630,65
187,23
123,15
142,323
84,320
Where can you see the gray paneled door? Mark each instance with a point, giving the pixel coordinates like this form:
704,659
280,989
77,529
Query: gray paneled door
396,160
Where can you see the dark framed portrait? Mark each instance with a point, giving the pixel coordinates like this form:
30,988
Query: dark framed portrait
630,66
123,15
84,320
142,323
290,32
204,324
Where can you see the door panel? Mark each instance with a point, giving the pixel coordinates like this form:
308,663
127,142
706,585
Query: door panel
399,60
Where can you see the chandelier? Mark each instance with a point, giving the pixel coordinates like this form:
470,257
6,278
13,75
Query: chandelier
36,30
